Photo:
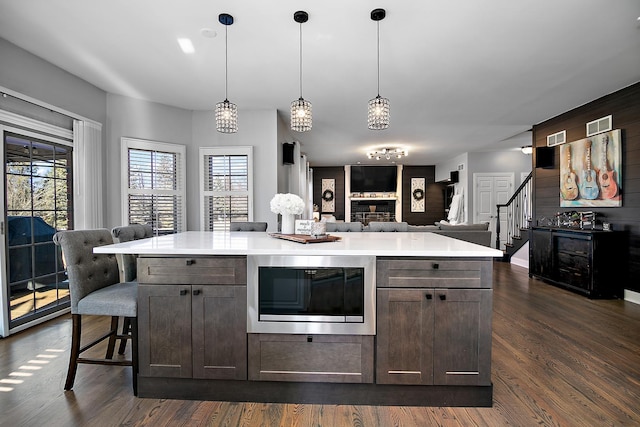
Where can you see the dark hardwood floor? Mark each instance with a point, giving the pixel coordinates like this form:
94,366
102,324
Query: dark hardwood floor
559,359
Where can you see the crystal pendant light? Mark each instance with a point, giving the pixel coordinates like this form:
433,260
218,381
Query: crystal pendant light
226,112
301,115
378,116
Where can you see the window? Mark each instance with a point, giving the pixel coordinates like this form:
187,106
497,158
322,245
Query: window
153,185
226,186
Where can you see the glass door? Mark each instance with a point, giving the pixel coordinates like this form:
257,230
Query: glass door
38,193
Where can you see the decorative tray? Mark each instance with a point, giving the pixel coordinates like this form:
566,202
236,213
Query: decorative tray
305,238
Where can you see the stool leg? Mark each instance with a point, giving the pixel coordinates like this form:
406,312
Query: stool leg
134,353
112,338
76,330
126,330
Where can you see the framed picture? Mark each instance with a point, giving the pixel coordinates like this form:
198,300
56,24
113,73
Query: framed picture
591,171
417,194
328,195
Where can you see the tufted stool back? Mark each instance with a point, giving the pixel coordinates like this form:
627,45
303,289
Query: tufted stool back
248,226
87,271
343,227
127,233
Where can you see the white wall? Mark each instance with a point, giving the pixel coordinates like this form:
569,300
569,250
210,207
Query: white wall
140,119
256,128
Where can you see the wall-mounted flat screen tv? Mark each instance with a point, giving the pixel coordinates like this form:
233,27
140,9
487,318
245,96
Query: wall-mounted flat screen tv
374,179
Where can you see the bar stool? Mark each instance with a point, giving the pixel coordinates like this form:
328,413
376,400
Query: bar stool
95,289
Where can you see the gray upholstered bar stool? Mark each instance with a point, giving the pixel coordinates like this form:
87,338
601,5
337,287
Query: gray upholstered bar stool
388,226
128,263
248,226
126,233
343,227
95,289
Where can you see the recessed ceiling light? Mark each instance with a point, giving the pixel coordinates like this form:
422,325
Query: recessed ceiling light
208,33
186,45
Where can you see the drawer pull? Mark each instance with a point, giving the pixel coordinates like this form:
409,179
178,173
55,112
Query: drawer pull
429,296
183,291
309,338
435,266
443,297
196,292
191,261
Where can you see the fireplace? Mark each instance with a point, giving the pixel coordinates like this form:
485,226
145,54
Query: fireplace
365,211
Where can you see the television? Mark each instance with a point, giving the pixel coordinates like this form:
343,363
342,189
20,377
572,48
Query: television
374,179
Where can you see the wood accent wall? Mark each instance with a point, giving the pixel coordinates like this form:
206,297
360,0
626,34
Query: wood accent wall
624,106
433,197
330,172
434,194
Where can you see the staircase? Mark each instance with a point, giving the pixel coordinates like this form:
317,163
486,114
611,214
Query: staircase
518,211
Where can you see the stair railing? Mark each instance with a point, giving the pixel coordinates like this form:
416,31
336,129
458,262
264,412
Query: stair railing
518,210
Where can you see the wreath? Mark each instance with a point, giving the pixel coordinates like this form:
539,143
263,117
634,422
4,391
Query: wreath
418,194
327,195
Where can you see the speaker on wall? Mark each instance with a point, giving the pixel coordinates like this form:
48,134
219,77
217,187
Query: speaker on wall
454,176
288,151
544,157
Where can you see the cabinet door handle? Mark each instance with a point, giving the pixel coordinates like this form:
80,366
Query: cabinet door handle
429,296
435,266
196,292
443,297
191,261
183,291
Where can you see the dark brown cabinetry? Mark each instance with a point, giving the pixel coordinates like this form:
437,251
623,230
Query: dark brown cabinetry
192,317
591,262
311,358
434,322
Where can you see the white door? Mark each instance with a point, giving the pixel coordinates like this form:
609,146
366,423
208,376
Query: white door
491,189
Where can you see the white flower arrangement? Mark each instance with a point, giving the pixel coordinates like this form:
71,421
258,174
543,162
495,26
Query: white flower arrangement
287,204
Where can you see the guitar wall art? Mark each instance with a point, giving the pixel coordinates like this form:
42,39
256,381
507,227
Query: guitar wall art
591,171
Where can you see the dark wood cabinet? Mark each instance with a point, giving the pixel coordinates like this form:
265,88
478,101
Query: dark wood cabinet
194,329
590,262
428,334
311,358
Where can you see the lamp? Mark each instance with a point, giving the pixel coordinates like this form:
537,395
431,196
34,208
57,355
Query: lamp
387,153
301,116
226,112
378,116
527,149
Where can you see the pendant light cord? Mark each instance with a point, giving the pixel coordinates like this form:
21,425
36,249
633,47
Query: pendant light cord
226,61
301,60
378,43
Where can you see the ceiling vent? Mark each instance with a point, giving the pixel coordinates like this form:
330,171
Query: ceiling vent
600,125
557,138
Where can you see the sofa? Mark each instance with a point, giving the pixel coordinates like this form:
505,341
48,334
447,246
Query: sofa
474,233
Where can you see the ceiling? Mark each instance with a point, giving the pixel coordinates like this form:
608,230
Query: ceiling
461,76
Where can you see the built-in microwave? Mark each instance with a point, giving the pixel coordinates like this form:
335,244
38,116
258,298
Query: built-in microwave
311,294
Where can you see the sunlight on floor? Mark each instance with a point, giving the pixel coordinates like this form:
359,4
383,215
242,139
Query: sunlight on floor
32,365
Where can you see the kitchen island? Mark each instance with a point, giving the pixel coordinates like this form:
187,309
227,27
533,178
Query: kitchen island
420,336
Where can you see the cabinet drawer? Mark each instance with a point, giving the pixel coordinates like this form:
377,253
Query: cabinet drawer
218,270
573,245
311,358
433,273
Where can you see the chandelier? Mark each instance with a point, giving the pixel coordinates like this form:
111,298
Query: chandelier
378,112
301,119
387,153
226,112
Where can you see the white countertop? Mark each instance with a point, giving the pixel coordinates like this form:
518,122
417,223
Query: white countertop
259,243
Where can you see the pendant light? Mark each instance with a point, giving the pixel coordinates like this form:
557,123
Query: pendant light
378,115
301,115
226,112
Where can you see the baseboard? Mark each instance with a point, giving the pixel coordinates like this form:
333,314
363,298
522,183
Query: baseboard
520,262
632,296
